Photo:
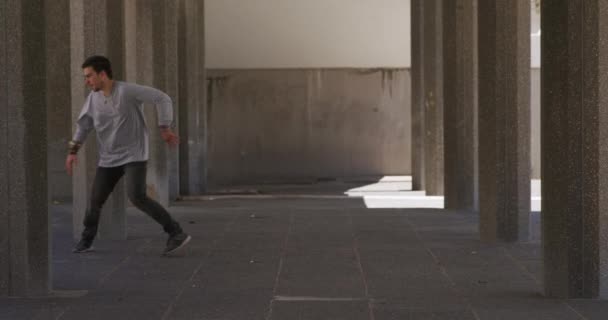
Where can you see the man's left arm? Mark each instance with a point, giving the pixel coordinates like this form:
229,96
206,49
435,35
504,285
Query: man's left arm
164,110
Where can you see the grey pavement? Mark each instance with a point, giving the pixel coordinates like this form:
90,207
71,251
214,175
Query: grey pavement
298,258
376,192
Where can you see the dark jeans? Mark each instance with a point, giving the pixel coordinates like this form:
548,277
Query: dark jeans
103,184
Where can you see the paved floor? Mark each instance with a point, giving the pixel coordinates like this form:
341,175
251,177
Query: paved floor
299,259
376,192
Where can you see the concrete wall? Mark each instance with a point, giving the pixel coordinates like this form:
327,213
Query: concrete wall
293,124
302,124
307,34
307,89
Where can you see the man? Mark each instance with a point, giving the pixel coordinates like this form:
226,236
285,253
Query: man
115,110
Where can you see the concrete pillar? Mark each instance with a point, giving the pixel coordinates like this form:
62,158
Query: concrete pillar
24,223
418,58
144,62
574,148
131,56
166,78
130,36
97,27
192,97
433,97
58,98
156,64
504,120
160,72
460,103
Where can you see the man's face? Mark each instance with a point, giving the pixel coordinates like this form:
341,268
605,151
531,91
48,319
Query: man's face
93,79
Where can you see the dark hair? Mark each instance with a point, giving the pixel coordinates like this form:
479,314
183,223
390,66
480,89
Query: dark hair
99,64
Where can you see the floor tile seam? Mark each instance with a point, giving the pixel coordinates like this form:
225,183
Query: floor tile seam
571,308
319,299
170,307
579,315
103,280
280,266
283,252
521,267
107,276
370,302
356,251
137,250
59,316
443,270
40,314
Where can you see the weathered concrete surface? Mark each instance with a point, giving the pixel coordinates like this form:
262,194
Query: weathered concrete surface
166,78
193,153
460,103
419,57
504,120
25,265
156,63
58,98
145,75
289,125
433,97
574,148
4,170
164,41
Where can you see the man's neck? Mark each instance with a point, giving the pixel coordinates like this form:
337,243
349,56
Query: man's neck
107,89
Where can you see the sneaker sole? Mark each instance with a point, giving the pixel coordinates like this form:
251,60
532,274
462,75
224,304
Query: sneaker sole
83,251
181,246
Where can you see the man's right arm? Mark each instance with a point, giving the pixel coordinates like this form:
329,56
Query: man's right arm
84,125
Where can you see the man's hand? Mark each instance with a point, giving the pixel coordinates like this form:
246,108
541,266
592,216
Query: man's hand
171,138
70,162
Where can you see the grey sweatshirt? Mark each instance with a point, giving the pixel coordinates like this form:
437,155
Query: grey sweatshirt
122,134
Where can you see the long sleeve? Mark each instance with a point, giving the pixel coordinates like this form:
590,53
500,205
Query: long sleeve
163,103
84,124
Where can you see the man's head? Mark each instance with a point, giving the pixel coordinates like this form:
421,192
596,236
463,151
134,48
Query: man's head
97,72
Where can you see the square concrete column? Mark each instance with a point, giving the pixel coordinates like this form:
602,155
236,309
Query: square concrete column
59,101
156,64
574,148
192,98
24,223
145,53
432,65
460,103
164,56
167,79
418,58
97,27
504,120
130,37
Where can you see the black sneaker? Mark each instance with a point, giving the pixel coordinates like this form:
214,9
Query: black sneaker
83,246
176,242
